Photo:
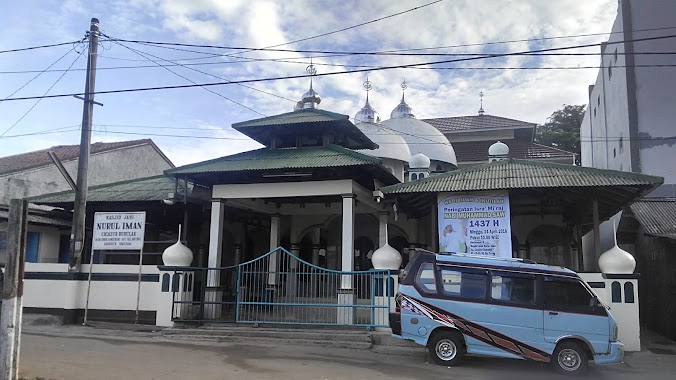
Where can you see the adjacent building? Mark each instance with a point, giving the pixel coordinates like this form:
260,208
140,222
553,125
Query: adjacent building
629,126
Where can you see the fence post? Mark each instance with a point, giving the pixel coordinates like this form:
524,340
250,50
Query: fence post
12,290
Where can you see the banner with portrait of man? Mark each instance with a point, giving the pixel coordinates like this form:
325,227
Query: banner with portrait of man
475,224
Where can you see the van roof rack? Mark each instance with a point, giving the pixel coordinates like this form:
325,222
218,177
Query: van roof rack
516,259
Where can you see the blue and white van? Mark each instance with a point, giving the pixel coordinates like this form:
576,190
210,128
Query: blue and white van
512,308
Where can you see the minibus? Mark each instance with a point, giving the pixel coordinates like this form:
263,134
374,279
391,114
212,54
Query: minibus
511,308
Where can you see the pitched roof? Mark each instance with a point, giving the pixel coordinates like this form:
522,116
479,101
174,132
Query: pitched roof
288,158
39,158
467,123
521,174
42,218
305,122
477,151
657,216
154,188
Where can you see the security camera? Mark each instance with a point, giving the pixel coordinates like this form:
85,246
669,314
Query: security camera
378,196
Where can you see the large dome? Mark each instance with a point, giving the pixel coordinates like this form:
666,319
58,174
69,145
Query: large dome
391,144
423,138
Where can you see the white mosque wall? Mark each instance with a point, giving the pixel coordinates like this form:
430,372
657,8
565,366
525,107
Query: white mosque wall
396,167
620,293
52,291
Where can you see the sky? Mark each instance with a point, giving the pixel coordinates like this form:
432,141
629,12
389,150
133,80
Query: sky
194,124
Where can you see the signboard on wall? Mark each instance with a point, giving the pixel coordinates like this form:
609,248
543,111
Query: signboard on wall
475,224
119,230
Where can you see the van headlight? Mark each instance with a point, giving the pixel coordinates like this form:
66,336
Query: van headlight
615,332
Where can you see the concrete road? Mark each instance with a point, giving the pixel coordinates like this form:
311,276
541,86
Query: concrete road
125,356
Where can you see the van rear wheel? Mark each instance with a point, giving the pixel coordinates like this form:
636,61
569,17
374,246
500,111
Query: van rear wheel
570,358
446,348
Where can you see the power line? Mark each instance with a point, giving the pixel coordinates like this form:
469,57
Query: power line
172,63
39,47
39,73
145,55
368,66
349,27
403,66
39,99
271,48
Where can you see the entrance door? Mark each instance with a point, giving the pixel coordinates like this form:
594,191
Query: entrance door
570,311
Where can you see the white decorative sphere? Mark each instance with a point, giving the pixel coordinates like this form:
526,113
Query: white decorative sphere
386,257
419,161
617,261
498,149
177,255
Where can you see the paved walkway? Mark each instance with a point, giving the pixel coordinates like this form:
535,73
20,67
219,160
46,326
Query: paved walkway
52,351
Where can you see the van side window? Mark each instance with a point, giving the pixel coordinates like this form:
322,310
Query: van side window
513,289
464,283
566,293
425,278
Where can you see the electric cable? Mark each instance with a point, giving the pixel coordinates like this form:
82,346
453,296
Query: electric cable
403,66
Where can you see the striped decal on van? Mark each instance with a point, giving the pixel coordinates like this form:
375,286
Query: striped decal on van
474,330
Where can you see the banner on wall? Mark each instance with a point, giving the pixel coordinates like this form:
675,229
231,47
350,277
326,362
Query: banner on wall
475,225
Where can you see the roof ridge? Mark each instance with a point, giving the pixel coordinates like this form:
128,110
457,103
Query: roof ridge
353,153
101,186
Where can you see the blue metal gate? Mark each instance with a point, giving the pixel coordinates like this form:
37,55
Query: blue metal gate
280,288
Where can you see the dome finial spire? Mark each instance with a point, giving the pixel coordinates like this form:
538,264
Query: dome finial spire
311,98
481,99
403,110
367,114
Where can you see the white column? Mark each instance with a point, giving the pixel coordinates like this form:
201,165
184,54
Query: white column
434,232
597,237
274,243
213,293
345,315
382,230
347,245
216,233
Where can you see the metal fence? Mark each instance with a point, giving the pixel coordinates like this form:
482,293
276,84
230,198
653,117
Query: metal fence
280,288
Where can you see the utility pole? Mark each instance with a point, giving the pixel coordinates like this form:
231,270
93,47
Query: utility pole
79,207
12,290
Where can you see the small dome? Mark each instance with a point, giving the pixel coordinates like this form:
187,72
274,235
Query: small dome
177,255
386,257
403,110
617,261
367,114
424,138
390,144
498,149
419,161
311,99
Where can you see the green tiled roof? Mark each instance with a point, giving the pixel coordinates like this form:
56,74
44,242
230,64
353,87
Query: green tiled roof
288,158
520,174
295,117
154,188
306,122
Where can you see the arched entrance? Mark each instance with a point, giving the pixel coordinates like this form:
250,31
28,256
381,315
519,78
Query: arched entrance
550,245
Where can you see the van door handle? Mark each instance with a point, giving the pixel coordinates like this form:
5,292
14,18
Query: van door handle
553,313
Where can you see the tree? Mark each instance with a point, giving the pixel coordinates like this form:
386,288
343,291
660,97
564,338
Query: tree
562,129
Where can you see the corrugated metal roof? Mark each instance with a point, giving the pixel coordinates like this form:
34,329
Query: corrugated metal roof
154,188
477,151
657,216
39,219
296,117
288,158
467,123
39,158
515,174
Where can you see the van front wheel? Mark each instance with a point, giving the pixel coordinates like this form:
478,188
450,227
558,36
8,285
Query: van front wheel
570,358
446,348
